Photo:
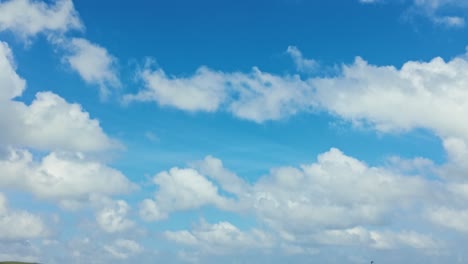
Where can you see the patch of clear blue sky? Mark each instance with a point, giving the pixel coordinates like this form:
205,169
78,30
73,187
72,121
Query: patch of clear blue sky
235,36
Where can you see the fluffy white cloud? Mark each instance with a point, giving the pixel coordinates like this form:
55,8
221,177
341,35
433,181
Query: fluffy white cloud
369,93
256,96
180,189
65,175
456,167
221,238
27,18
261,96
93,63
18,225
113,217
123,248
49,122
337,193
227,180
433,94
204,91
362,93
61,177
11,84
302,64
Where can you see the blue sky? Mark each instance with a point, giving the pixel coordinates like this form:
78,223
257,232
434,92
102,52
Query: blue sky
235,131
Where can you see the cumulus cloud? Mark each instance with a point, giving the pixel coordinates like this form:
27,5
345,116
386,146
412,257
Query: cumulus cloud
361,92
227,180
256,96
336,193
18,224
112,218
27,18
370,93
11,84
49,122
180,189
219,238
61,177
93,63
123,248
262,96
433,94
204,91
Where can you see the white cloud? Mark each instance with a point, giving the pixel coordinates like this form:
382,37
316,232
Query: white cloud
180,189
11,84
27,18
362,93
302,64
369,93
63,172
433,94
61,177
93,63
451,218
337,192
335,201
220,238
261,96
255,96
149,211
228,181
123,248
204,91
18,225
49,122
112,218
376,239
